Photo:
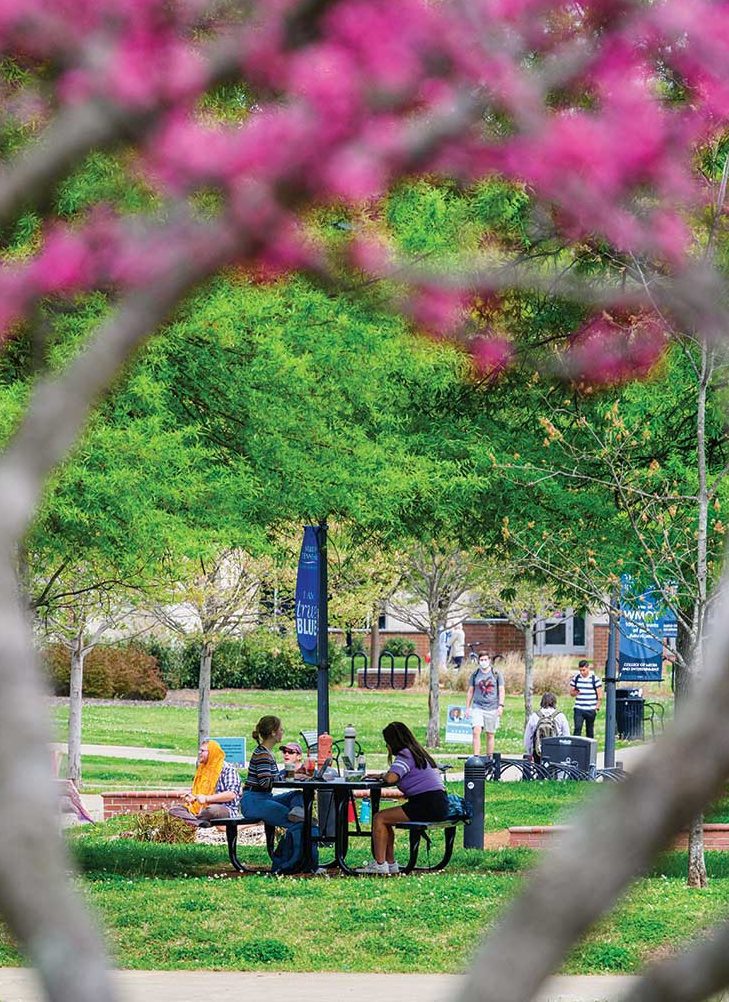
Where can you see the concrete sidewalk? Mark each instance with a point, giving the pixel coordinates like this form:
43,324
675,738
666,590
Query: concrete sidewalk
20,985
130,752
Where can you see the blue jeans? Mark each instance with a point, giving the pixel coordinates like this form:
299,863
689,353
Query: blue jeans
273,810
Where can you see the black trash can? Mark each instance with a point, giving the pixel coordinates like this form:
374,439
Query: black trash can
629,709
573,750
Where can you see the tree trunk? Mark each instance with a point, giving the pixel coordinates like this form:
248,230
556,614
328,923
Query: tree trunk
528,670
375,636
75,709
46,917
203,714
433,737
696,862
696,874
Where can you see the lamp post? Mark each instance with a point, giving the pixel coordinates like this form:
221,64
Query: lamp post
610,683
322,675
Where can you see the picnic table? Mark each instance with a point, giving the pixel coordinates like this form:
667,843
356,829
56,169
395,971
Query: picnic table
342,791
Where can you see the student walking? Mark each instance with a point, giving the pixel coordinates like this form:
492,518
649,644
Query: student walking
586,687
485,703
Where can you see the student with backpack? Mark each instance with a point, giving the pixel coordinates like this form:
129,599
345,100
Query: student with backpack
547,722
586,687
485,702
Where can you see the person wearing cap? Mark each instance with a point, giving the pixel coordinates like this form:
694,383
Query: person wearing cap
292,752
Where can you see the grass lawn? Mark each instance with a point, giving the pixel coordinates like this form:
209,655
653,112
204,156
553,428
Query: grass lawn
180,906
235,711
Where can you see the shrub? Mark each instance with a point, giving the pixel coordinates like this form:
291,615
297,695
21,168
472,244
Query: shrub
399,646
124,672
159,826
169,658
260,660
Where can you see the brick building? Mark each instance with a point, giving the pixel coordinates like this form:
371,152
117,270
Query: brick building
566,633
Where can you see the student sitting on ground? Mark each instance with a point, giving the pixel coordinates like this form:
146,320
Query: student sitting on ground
547,722
417,775
216,788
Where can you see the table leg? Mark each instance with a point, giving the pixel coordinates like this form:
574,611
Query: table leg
231,836
341,842
308,866
375,802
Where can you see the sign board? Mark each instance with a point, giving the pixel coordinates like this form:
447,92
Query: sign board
235,750
458,729
307,596
640,629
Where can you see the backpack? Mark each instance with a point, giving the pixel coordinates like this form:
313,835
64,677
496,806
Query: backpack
459,809
546,728
288,856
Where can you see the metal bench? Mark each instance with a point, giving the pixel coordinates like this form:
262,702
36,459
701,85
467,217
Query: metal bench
654,713
231,834
418,832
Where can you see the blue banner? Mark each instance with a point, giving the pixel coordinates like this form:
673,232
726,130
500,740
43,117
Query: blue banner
640,648
307,596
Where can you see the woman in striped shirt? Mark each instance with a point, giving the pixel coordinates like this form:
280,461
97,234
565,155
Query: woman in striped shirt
258,802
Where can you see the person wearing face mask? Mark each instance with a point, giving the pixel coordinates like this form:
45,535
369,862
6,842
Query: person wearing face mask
485,702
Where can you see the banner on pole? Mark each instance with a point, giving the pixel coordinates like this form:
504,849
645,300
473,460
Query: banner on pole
641,632
307,596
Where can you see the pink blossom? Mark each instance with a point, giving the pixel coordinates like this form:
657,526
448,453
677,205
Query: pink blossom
63,264
490,355
437,310
371,255
607,351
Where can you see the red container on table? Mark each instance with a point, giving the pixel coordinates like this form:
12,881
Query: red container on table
324,749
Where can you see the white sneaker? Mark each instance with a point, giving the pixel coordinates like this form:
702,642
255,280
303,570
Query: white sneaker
296,814
393,868
375,869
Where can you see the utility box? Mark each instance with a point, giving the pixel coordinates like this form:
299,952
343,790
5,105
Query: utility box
575,751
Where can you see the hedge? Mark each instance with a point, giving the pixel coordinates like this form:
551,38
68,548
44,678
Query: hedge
260,660
122,672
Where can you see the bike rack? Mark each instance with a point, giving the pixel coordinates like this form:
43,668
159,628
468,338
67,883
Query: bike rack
353,669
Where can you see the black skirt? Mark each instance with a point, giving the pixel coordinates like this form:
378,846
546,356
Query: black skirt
431,806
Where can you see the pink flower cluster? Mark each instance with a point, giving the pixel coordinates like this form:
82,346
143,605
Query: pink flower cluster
609,350
597,108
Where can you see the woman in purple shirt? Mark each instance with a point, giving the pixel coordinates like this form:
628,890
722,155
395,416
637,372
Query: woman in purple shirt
417,775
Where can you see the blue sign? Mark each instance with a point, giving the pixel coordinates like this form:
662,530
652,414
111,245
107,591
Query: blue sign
307,596
640,648
459,730
234,748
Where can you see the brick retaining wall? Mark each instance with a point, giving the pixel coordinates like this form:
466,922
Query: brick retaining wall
385,679
139,800
538,837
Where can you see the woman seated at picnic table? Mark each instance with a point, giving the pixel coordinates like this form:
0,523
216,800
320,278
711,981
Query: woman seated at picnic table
417,775
259,802
216,788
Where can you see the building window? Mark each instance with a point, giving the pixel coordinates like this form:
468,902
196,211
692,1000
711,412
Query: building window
382,621
561,634
556,636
